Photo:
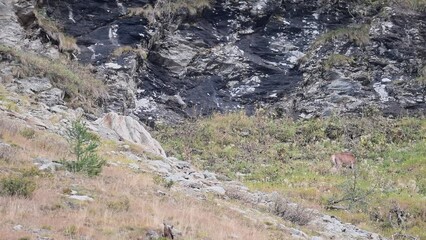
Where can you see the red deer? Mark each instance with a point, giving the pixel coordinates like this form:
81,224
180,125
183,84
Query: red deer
343,159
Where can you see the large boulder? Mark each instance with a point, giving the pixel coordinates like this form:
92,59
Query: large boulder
128,129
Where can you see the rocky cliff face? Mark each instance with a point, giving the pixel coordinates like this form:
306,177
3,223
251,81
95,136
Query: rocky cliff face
309,58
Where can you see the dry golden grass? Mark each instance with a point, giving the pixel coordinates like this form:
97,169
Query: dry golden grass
129,49
126,204
50,27
50,209
42,144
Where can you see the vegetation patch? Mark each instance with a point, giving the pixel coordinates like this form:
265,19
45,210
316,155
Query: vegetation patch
293,158
359,35
66,43
292,212
129,49
337,60
80,86
16,185
170,8
84,146
414,5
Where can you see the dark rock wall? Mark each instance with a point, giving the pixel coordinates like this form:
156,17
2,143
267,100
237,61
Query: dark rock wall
251,53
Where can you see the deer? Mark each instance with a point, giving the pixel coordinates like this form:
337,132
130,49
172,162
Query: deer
168,231
343,159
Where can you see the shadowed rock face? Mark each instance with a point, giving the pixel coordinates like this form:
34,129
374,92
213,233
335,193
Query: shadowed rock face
246,54
100,26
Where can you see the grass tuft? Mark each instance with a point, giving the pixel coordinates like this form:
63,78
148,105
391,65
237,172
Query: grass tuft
17,186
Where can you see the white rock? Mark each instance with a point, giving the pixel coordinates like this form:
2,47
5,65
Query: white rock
81,198
18,227
130,130
381,90
160,166
216,189
114,66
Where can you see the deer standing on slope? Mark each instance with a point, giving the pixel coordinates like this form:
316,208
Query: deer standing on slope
343,159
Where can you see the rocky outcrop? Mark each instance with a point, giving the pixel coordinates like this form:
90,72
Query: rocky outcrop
376,64
12,32
128,129
311,58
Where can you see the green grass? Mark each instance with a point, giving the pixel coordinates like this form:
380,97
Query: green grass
337,60
19,186
359,35
413,5
293,157
169,9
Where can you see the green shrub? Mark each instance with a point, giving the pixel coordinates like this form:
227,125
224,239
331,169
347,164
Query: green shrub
17,186
70,231
359,35
84,146
337,60
28,133
31,172
169,9
163,182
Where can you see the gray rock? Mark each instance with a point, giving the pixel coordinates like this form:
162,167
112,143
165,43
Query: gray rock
59,109
197,175
12,34
152,235
177,56
52,97
342,85
209,175
134,166
52,166
193,184
160,166
381,91
34,84
177,177
263,8
83,198
217,190
128,129
298,233
18,227
181,164
7,152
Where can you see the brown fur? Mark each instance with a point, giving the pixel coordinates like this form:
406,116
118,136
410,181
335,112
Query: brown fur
343,159
167,231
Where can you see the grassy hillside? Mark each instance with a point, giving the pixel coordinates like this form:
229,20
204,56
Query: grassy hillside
126,203
386,193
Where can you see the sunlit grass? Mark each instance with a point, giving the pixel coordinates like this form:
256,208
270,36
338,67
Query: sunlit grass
293,157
